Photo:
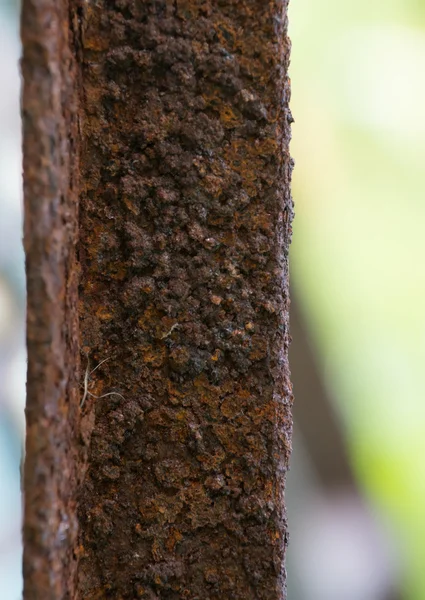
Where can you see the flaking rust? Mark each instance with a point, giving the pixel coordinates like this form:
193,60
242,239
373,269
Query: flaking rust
184,231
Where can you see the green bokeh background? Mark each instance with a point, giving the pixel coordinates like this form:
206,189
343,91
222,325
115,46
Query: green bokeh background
357,260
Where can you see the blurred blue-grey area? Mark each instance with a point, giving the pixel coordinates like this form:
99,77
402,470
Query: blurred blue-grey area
12,308
355,492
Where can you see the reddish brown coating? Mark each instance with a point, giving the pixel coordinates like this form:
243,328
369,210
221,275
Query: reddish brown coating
50,142
184,181
184,233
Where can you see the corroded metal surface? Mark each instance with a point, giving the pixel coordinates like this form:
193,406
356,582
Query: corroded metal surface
49,113
184,231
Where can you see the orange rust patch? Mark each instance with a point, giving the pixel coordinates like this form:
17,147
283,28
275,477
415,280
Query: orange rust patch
173,539
152,355
104,314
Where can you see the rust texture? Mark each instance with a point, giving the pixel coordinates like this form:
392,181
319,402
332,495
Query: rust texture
185,225
50,136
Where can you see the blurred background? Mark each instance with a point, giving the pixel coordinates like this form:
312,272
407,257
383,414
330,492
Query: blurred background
356,490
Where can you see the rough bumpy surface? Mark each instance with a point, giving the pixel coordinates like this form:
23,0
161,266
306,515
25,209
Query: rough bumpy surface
50,137
185,215
170,120
185,226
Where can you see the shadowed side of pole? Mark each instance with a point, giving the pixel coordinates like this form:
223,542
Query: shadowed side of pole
50,148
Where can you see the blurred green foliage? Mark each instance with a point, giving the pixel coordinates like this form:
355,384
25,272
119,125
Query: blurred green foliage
358,83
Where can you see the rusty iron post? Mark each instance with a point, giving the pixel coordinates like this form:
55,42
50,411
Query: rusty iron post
167,460
50,136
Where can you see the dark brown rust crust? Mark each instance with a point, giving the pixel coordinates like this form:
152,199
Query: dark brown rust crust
185,226
50,144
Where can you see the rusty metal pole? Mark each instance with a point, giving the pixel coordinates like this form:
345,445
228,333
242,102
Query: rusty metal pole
50,136
184,410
